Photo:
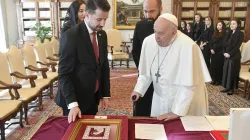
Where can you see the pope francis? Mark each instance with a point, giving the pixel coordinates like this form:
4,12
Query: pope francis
175,65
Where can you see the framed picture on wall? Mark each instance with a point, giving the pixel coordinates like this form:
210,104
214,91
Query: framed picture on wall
127,13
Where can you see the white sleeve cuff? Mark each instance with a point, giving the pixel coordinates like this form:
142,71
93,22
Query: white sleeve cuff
142,84
73,104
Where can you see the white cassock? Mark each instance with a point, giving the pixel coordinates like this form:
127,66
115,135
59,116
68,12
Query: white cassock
181,87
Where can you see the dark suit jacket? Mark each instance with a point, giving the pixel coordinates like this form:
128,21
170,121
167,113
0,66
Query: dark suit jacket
182,30
78,69
143,29
190,34
198,31
216,42
232,44
207,34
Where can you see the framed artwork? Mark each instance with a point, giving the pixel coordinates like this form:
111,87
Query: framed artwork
127,13
94,129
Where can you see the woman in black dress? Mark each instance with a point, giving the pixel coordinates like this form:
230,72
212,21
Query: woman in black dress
206,36
198,28
75,14
232,55
183,28
217,57
189,31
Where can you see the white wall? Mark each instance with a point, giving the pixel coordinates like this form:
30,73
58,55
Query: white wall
167,7
11,22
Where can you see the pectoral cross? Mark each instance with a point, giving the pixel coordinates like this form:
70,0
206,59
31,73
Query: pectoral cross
157,76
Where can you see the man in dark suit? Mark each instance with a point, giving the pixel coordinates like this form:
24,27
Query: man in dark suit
83,64
152,10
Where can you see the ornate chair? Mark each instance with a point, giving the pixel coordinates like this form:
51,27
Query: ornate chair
14,90
9,109
17,67
242,46
245,75
40,49
55,45
116,49
31,64
49,51
245,53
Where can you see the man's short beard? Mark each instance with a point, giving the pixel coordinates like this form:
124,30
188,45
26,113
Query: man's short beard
154,19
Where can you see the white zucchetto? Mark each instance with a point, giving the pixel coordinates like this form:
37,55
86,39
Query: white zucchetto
172,18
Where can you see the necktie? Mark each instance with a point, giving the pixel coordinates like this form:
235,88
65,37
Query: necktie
95,47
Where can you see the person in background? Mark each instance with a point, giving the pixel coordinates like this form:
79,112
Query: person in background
198,28
205,39
217,58
232,55
152,10
183,27
189,32
75,14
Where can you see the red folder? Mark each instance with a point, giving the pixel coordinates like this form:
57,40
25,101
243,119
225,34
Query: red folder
219,134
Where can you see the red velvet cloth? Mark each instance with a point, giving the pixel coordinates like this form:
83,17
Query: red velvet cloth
174,130
55,127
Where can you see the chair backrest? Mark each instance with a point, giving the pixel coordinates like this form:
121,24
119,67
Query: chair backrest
49,49
41,52
114,39
16,61
241,46
4,69
29,56
55,45
46,40
37,41
245,54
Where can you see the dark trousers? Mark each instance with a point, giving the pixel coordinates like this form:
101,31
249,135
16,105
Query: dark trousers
91,111
231,71
142,107
206,54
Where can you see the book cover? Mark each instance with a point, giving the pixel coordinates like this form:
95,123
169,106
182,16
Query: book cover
219,135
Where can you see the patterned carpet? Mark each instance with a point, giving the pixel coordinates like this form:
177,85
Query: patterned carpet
122,84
